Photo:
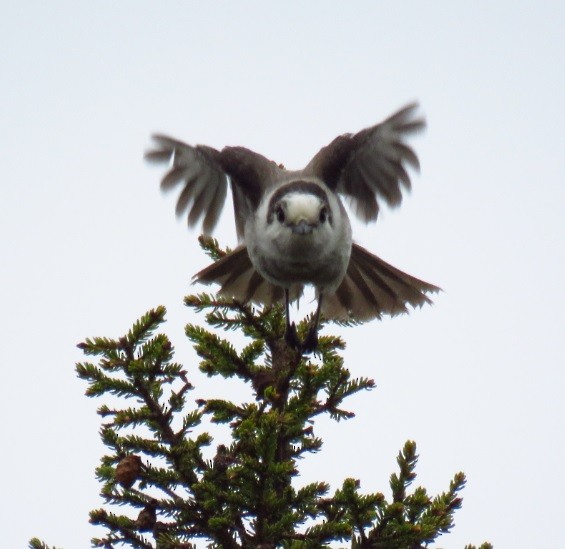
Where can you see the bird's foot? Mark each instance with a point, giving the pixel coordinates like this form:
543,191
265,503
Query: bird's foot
311,342
291,337
309,345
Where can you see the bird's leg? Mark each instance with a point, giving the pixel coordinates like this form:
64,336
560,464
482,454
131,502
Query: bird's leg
290,334
311,342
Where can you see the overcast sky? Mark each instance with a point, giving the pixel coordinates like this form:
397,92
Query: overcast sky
89,244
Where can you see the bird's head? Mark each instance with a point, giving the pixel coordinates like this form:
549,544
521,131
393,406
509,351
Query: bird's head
300,212
301,207
301,218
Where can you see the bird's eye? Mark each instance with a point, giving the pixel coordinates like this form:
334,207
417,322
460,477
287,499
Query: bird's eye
280,214
323,215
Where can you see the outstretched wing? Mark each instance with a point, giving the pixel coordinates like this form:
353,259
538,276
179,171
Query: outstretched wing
204,182
370,166
238,279
204,173
372,288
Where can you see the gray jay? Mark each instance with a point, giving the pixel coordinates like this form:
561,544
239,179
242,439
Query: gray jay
292,226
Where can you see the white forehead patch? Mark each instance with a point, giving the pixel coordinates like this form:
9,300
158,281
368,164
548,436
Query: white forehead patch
302,206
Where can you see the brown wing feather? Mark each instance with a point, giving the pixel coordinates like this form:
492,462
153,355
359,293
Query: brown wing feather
372,287
197,171
203,174
369,167
238,279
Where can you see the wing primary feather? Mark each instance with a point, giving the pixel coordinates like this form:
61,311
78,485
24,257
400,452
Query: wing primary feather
172,178
184,198
401,115
158,156
237,269
236,260
372,261
253,285
167,142
402,175
360,284
406,153
344,294
370,166
411,127
198,171
215,209
202,195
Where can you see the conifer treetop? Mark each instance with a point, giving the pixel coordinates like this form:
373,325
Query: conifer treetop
160,489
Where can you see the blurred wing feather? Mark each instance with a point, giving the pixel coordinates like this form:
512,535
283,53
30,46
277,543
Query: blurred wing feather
238,279
204,173
369,167
195,168
372,288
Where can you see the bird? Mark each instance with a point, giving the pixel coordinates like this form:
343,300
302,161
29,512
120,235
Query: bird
292,226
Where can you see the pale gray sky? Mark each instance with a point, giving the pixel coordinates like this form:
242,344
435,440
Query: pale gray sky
88,244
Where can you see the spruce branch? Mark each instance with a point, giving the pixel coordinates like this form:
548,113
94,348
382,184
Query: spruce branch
35,543
170,494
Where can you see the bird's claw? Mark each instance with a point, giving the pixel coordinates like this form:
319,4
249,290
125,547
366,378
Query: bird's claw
309,345
311,342
291,337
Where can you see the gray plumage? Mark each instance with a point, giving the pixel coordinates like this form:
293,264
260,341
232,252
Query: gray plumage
292,227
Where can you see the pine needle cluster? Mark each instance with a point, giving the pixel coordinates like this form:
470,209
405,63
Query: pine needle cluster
242,495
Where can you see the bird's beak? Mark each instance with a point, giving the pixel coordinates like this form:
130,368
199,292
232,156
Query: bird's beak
302,227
